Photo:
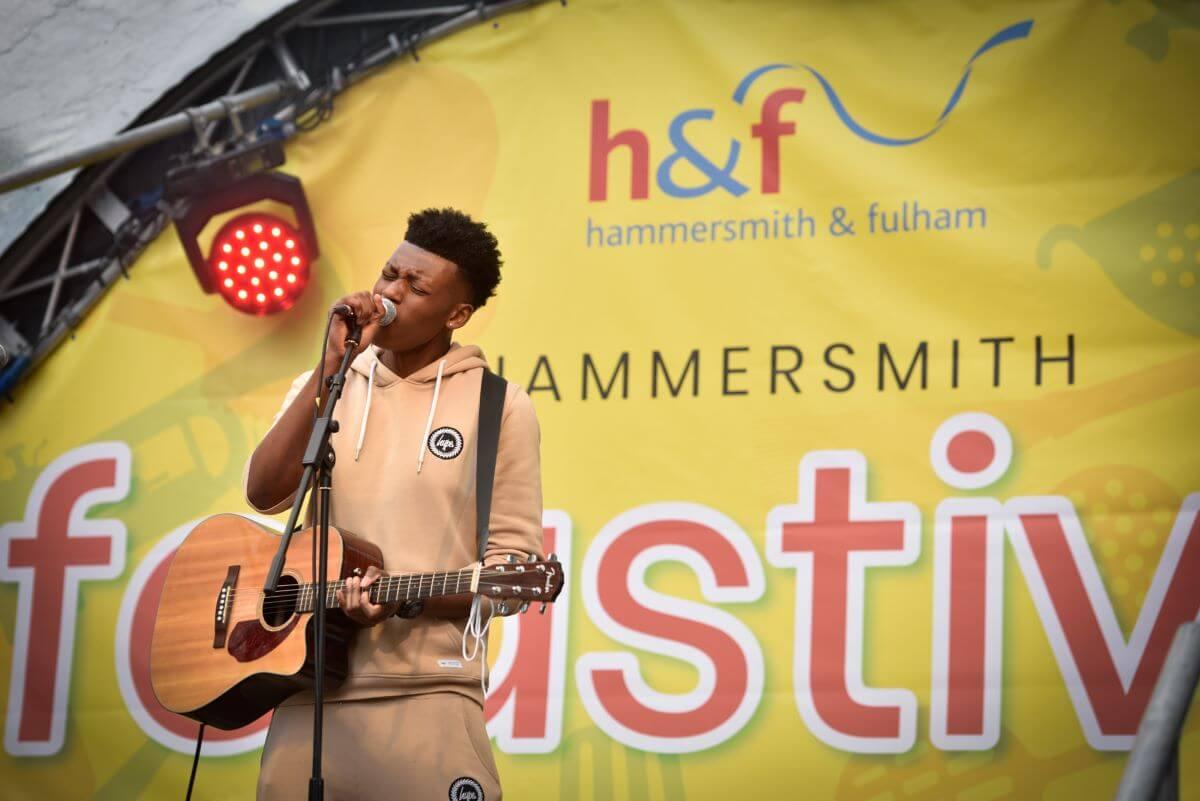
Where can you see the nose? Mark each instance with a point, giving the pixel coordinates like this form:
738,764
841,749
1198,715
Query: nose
394,291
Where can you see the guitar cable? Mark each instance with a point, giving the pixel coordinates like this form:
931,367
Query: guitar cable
195,762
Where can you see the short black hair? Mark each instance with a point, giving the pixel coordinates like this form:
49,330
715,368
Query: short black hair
455,237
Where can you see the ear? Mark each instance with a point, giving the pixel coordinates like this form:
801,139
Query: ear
459,316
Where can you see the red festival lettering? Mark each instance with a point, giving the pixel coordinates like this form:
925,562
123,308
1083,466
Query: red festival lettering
831,537
48,554
524,704
968,608
1109,679
723,651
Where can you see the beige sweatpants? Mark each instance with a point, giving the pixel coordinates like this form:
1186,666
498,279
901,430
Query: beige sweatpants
408,748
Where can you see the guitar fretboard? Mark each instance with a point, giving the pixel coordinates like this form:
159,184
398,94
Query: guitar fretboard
389,589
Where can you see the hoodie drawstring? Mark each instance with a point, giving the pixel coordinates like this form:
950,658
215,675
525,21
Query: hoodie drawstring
362,429
475,633
437,388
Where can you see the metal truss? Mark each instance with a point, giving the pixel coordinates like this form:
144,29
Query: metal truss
93,232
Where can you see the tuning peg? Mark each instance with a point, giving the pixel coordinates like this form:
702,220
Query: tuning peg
523,607
532,558
552,557
512,557
502,608
542,611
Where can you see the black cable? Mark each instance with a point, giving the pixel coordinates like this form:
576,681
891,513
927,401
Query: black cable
195,762
321,375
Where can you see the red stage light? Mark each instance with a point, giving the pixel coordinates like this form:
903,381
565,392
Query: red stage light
249,287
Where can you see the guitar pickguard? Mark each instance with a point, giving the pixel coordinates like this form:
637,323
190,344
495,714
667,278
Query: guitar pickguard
249,640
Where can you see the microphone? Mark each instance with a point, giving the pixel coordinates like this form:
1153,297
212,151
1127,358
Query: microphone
354,336
389,312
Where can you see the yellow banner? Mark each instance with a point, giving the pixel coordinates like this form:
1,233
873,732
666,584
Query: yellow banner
863,340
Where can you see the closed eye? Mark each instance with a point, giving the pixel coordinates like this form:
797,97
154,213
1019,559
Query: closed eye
390,274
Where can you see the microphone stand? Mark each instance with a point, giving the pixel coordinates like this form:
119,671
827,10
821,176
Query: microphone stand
319,461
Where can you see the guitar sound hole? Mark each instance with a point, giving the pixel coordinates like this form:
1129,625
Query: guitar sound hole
279,606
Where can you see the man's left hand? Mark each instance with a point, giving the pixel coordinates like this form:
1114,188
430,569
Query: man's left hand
356,603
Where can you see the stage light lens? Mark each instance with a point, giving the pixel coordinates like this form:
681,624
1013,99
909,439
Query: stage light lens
272,291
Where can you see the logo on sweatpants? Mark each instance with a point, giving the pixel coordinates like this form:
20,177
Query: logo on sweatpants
445,443
465,789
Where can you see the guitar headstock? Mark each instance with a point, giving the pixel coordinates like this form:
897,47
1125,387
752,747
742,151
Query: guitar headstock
533,581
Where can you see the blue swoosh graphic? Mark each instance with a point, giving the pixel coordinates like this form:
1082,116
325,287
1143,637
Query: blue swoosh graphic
1012,33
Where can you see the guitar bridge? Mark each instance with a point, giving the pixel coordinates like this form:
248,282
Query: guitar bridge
224,607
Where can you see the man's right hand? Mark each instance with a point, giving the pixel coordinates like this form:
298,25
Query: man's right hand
368,309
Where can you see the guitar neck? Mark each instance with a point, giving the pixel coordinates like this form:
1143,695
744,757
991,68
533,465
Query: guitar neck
392,588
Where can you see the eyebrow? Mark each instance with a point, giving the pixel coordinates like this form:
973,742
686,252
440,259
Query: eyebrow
414,273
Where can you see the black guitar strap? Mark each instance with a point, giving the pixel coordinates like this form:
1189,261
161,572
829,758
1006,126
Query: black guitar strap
491,408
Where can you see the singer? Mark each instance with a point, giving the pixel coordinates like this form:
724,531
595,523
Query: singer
408,721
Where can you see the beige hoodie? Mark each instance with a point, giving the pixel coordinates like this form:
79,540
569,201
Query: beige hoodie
391,486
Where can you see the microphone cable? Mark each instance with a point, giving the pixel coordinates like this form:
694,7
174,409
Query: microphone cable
321,376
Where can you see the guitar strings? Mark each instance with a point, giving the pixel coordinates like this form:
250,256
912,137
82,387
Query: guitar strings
305,595
289,597
396,579
399,580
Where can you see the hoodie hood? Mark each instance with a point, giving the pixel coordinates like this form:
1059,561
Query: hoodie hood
458,359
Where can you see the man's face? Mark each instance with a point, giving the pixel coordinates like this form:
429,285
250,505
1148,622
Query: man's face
430,294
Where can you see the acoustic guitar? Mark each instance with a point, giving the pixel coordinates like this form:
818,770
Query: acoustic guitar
224,653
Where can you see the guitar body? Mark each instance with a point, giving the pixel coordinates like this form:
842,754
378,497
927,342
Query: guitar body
218,655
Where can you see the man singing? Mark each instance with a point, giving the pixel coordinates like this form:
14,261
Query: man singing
408,721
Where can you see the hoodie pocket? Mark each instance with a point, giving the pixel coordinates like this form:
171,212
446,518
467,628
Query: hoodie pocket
476,731
452,638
